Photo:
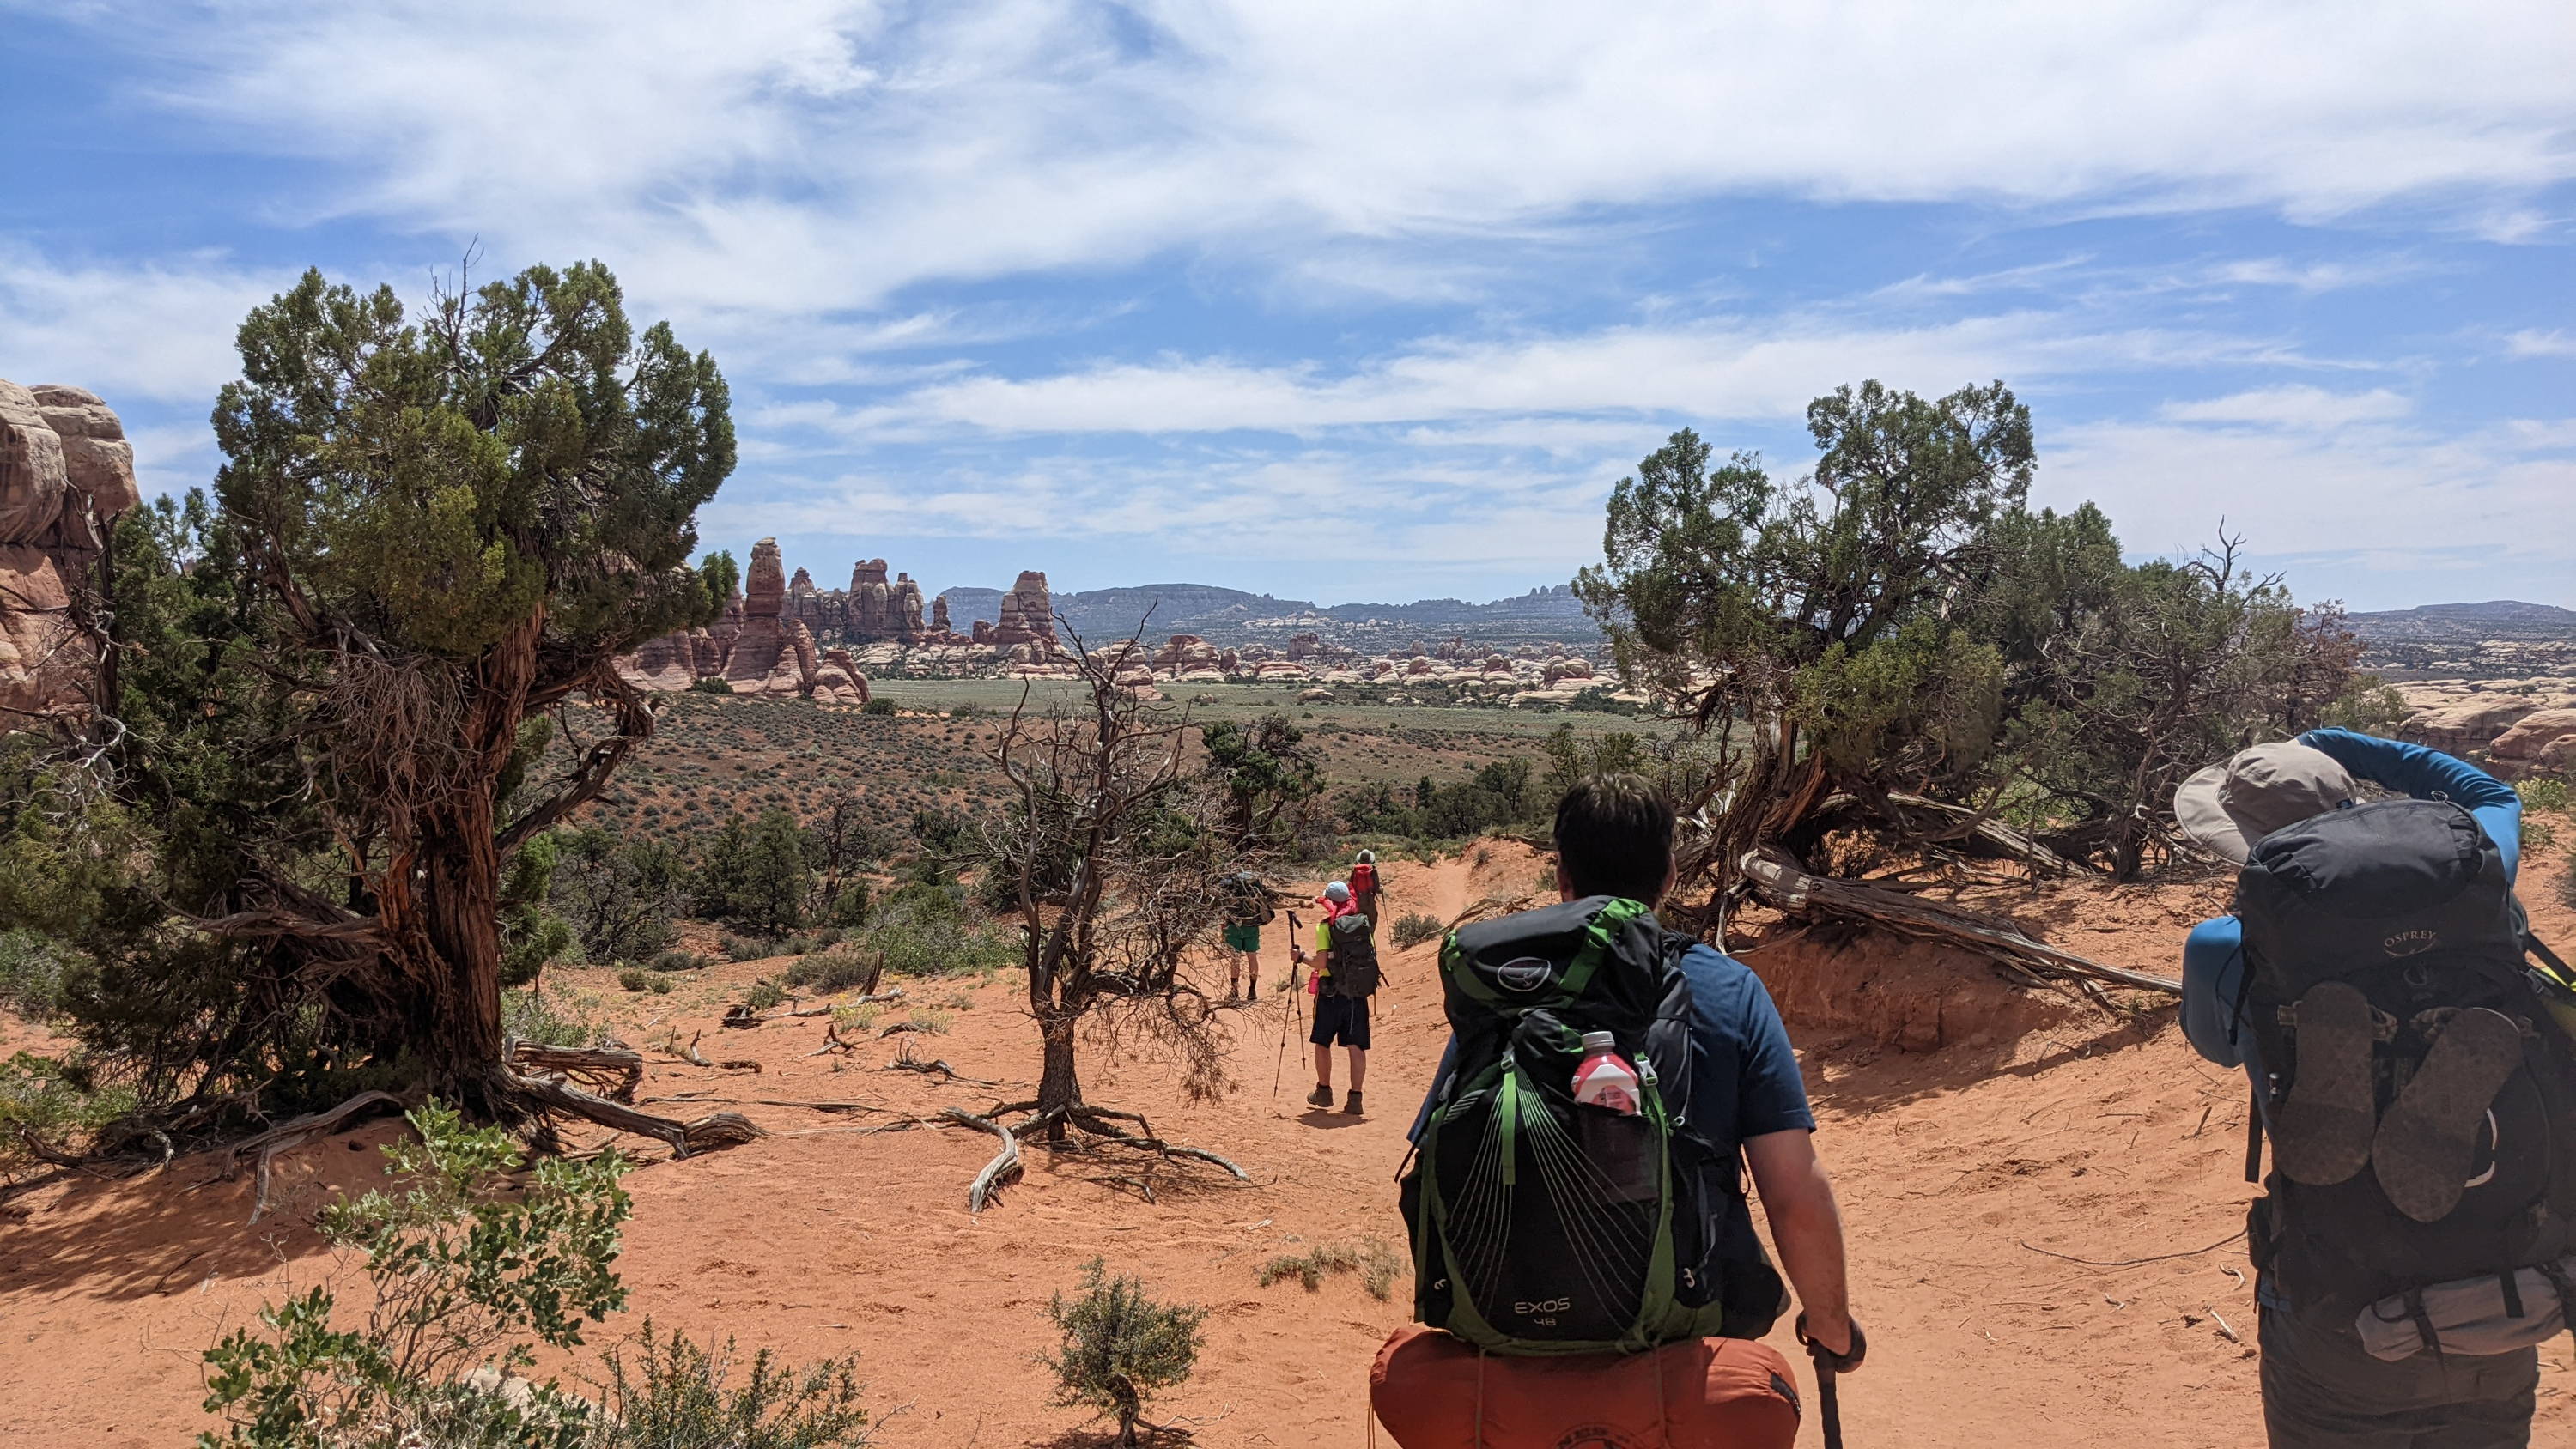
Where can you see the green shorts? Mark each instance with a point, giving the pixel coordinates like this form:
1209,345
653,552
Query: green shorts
1243,938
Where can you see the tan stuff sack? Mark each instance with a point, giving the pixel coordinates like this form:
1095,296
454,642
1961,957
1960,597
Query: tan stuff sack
1433,1390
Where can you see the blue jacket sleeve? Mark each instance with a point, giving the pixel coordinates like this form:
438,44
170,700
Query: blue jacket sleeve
2213,967
2428,774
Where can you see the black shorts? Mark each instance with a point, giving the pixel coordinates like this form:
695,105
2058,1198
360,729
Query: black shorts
1341,1020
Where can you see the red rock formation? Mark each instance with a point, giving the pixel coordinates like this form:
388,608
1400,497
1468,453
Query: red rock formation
1028,615
65,472
939,616
906,606
2545,739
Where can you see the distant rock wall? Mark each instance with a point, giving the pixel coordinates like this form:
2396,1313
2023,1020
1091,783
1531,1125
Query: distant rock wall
66,472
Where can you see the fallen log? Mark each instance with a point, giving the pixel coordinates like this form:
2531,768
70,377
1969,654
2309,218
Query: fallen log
1785,884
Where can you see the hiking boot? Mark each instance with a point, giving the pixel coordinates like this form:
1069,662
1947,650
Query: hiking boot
1322,1096
1351,1105
2323,1135
2422,1151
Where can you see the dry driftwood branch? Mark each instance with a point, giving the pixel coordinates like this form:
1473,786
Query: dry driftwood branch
1958,822
611,1072
1004,1167
1094,1120
690,1053
1783,882
832,1041
905,1061
716,1129
741,1015
263,1149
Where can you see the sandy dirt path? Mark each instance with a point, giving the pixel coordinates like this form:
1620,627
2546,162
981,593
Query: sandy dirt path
1957,1168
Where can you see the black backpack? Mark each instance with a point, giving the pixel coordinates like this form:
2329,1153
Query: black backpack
1542,1225
1355,970
2407,903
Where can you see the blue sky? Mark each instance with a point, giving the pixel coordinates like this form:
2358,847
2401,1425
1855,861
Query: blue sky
1368,301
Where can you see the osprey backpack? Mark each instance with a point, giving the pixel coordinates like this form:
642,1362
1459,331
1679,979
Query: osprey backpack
2421,1097
1355,970
1542,1225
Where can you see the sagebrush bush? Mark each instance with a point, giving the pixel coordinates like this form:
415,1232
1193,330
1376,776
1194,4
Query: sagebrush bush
678,961
1413,928
763,995
549,1018
1120,1347
652,981
667,1392
54,1105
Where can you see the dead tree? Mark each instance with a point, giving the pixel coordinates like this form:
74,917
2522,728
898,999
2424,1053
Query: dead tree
1112,859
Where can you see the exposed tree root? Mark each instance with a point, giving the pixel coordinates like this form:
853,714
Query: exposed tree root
716,1129
1781,881
905,1061
263,1149
611,1072
1004,1167
1095,1121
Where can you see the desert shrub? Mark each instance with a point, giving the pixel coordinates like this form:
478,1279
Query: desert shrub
549,1018
839,969
653,981
465,1276
933,1020
1120,1347
746,948
1377,1264
670,1393
857,1017
877,705
1413,928
52,1105
2542,793
32,969
712,685
924,930
678,961
471,1273
763,994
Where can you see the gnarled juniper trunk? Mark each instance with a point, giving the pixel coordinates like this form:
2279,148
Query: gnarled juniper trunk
1059,1090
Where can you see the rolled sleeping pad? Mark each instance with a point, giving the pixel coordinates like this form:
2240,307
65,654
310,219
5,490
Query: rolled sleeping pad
1729,1392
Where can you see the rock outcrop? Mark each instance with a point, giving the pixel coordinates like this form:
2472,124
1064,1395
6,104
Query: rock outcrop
2543,739
1028,615
66,472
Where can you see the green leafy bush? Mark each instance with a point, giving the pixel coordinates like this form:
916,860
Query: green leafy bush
763,995
549,1018
475,1264
933,1020
652,981
32,968
1120,1347
712,685
877,705
1413,928
839,969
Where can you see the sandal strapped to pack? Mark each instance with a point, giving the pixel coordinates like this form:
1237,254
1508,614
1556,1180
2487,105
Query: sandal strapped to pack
2424,1145
2323,1133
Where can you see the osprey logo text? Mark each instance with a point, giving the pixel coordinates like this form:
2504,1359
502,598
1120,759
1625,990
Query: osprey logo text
2411,943
1525,973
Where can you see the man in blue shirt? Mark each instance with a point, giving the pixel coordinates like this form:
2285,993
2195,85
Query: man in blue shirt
2319,1386
1614,837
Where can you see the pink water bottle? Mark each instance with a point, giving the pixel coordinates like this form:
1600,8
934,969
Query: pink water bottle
1604,1078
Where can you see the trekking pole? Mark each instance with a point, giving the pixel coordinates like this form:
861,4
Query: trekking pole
1287,1010
1829,1363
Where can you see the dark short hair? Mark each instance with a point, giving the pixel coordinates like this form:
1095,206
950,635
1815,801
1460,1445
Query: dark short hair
1614,837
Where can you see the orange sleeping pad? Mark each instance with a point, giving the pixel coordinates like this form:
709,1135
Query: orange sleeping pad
1433,1391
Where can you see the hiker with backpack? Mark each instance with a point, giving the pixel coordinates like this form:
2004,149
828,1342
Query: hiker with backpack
2413,1245
1346,976
1248,908
1583,1247
1363,881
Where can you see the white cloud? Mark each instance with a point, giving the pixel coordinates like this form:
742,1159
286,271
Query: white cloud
1726,369
2295,406
2297,491
827,153
159,331
2532,342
